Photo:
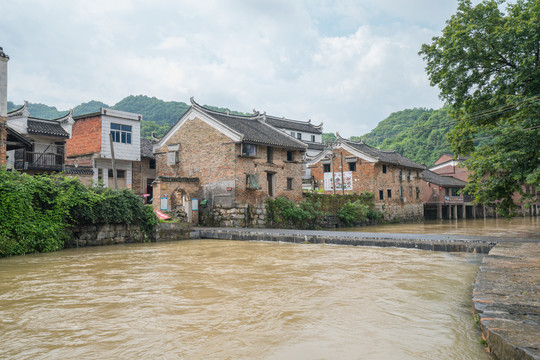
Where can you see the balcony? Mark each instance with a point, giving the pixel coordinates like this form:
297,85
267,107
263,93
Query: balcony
39,161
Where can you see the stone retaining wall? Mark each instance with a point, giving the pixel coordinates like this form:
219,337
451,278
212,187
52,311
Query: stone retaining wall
239,215
96,235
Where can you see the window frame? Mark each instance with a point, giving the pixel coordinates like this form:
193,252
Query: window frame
121,133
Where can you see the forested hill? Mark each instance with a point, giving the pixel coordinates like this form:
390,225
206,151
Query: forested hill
418,134
158,115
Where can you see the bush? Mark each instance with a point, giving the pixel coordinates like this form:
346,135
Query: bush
284,213
36,212
353,213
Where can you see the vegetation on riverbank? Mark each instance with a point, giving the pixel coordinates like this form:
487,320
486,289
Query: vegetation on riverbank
313,212
37,212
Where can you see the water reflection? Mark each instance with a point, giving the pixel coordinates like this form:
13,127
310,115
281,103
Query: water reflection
519,227
239,300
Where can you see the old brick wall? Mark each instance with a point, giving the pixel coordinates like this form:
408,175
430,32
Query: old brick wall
369,177
86,137
209,155
141,173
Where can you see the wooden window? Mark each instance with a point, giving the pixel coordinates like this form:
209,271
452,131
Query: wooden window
417,193
252,181
249,150
389,193
289,183
290,155
120,174
410,191
312,138
172,158
299,136
269,154
326,167
384,169
152,164
352,166
381,194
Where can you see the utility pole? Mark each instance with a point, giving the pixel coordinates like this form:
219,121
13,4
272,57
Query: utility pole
113,162
333,175
342,175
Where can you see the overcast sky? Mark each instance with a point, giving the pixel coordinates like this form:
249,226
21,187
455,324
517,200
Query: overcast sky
348,64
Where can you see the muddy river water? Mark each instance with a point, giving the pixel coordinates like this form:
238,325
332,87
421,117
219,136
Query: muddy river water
211,299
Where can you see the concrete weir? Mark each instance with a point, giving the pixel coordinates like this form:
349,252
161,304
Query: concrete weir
481,245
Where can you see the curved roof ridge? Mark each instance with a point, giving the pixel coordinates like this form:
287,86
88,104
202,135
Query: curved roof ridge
18,111
257,115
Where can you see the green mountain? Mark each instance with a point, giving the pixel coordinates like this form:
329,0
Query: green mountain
418,134
158,115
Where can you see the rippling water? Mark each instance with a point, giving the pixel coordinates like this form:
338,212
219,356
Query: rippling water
211,299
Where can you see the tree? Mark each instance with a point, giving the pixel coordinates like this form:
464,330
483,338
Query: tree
486,64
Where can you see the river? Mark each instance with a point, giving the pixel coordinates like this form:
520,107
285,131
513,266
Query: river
212,299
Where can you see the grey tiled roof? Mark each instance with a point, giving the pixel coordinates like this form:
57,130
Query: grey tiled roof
314,146
440,180
389,157
79,170
46,127
304,126
254,130
147,149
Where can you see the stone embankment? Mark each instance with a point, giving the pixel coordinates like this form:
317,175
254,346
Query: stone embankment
506,300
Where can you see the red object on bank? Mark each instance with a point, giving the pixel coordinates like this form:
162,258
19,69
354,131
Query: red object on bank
161,215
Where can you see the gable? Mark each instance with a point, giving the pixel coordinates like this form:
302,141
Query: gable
191,115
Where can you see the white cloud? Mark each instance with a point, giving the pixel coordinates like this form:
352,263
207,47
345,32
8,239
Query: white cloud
347,64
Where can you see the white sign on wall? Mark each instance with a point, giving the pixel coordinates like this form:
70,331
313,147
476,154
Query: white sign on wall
329,186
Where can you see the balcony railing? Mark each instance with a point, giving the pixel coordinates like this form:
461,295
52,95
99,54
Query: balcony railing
40,161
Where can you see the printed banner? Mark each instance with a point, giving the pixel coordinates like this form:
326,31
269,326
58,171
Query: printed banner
328,186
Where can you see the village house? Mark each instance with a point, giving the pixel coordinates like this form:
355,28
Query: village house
443,198
90,146
447,165
226,161
304,131
351,167
36,145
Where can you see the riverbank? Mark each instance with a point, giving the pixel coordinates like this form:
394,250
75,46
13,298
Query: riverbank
506,300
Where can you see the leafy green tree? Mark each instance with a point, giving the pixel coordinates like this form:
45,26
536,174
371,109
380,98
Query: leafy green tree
486,64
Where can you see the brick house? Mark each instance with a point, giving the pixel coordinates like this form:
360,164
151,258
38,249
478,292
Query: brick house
35,145
395,181
90,147
447,165
226,160
442,197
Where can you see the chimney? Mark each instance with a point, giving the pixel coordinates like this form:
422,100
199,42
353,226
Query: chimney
3,106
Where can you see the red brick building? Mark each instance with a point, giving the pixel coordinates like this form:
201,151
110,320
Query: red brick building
225,160
90,146
355,167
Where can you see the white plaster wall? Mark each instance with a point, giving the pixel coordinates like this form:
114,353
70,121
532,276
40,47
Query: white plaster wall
3,87
131,151
106,164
